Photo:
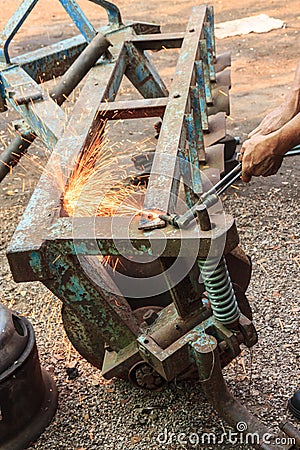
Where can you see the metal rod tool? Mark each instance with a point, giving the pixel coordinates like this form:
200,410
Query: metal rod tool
211,197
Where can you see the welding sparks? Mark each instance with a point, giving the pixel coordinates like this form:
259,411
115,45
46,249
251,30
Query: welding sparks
99,185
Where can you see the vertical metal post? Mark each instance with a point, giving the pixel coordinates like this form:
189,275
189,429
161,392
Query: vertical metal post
210,42
206,72
202,96
211,21
196,111
193,290
193,154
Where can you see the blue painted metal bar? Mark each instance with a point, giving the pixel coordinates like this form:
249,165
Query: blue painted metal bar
3,106
72,8
143,75
193,154
206,72
211,21
44,116
196,111
209,46
202,99
79,19
52,61
113,12
12,26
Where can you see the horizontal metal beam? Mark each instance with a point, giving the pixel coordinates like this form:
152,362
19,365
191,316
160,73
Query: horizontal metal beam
53,60
134,109
92,236
160,41
155,107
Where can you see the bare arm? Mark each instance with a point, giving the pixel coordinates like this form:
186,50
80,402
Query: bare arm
263,154
284,112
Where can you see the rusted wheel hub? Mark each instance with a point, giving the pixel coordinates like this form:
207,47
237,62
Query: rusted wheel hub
144,376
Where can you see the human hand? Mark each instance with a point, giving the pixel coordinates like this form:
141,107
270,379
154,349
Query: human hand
280,115
259,157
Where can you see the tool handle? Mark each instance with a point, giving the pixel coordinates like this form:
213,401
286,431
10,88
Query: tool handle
236,172
210,197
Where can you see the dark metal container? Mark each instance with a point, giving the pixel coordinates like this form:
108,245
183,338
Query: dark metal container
28,395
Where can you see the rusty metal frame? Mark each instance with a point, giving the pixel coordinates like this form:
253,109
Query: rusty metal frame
45,245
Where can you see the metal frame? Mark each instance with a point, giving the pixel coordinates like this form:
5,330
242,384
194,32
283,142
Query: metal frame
42,235
58,250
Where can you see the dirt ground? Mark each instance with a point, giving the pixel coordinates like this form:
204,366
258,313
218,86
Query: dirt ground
94,414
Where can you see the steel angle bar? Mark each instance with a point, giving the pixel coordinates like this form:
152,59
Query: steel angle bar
197,121
211,22
193,158
134,109
160,185
143,75
201,93
44,116
159,41
206,70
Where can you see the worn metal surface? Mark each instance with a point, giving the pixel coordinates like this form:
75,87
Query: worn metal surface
93,236
163,351
143,75
106,323
161,180
44,116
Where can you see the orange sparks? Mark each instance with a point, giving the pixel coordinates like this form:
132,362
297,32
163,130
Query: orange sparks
100,184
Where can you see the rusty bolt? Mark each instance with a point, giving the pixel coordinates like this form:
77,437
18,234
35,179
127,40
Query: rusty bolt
150,316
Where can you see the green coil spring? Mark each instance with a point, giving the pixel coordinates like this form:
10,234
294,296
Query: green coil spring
219,290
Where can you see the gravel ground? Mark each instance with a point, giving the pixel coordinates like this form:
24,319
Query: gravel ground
96,414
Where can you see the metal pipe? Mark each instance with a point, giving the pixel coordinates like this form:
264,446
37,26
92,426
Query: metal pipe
292,432
10,157
81,66
228,407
